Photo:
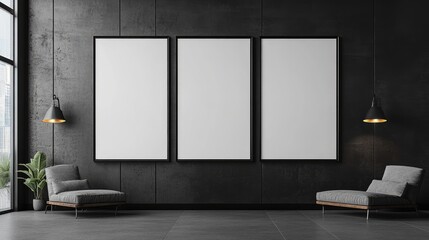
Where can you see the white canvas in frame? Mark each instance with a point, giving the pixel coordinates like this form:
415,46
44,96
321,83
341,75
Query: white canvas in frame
299,98
131,103
214,98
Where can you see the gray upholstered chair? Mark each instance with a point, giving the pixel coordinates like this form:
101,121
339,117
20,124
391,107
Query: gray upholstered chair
399,188
66,189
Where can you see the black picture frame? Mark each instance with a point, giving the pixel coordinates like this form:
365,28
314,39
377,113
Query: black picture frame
338,104
252,156
168,99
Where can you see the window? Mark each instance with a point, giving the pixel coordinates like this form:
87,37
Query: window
7,76
6,34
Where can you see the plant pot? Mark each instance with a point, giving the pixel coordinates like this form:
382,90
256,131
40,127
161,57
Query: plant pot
38,204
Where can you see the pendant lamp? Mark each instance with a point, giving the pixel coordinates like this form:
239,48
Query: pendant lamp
375,113
54,113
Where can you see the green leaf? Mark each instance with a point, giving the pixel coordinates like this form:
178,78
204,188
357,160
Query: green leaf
41,174
26,173
42,160
39,161
31,186
30,171
42,184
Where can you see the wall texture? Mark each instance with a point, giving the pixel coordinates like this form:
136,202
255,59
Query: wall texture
60,61
402,58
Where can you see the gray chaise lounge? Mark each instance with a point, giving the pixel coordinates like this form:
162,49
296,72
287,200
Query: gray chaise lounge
66,189
398,188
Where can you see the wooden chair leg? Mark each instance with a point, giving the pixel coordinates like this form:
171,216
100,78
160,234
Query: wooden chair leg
76,212
323,209
367,214
46,208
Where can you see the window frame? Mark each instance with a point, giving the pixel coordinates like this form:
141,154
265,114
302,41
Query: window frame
13,86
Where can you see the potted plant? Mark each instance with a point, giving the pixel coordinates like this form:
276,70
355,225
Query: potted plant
4,171
35,178
4,181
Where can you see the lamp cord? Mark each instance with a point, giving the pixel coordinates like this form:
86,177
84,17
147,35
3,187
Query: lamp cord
53,77
373,46
373,87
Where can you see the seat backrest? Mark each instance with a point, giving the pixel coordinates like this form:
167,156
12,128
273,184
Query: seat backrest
411,175
62,172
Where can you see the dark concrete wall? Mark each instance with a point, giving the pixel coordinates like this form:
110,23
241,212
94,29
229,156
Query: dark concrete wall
402,67
402,82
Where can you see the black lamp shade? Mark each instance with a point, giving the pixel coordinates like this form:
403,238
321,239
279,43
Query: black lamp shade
54,113
375,113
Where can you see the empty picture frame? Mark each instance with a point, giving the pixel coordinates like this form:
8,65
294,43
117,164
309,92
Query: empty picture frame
131,92
214,100
299,94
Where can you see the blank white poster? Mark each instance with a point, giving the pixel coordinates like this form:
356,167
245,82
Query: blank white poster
131,102
214,98
299,98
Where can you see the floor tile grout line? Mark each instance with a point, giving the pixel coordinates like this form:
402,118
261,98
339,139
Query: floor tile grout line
175,222
335,236
275,225
411,225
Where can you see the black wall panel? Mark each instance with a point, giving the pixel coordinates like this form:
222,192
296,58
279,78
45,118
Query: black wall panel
40,86
297,182
75,24
138,178
206,182
402,73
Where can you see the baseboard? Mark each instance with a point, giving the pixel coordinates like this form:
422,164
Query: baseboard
423,206
221,206
212,206
217,206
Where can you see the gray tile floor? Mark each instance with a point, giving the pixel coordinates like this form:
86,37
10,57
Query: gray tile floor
214,224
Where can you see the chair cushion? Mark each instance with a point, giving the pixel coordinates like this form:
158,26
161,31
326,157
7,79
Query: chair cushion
360,198
62,172
70,185
411,175
89,196
387,187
